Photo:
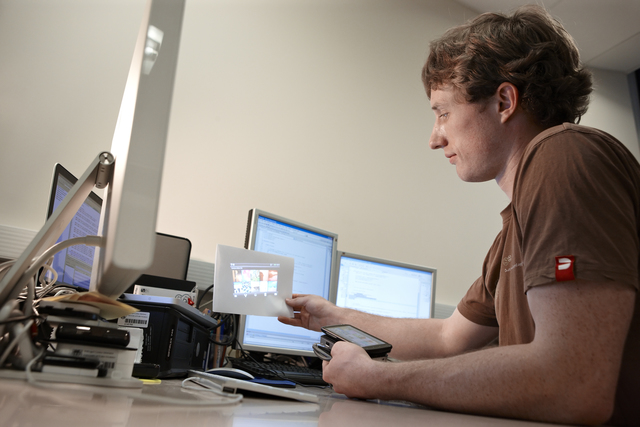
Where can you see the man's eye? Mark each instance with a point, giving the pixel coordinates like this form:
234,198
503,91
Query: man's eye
444,115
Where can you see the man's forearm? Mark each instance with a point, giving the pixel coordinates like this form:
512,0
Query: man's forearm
504,381
483,382
414,339
411,338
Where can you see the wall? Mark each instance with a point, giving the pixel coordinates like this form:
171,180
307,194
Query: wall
611,109
309,109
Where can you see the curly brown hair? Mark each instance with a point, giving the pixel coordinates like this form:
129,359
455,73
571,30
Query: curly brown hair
529,49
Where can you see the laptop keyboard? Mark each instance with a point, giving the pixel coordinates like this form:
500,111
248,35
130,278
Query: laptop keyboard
275,371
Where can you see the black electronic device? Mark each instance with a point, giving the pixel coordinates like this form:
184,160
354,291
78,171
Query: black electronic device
70,332
277,371
69,310
322,351
70,361
176,336
375,347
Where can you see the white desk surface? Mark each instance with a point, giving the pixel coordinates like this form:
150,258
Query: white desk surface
24,405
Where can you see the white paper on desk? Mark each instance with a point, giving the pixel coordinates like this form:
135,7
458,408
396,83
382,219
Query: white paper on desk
251,282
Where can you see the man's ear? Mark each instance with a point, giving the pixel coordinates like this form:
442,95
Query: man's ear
508,99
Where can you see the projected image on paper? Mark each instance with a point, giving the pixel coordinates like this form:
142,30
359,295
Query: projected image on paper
254,279
252,282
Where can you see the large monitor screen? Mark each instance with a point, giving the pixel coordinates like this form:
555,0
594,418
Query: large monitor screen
384,287
73,265
129,212
313,251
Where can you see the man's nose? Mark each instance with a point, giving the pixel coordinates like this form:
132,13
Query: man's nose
437,139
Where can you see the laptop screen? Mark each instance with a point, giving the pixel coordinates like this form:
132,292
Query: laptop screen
74,264
384,287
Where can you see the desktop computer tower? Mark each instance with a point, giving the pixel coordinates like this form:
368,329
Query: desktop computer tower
176,337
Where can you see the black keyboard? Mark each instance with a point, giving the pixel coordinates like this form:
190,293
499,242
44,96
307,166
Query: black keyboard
278,371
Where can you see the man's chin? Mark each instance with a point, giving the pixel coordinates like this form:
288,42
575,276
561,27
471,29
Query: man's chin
467,177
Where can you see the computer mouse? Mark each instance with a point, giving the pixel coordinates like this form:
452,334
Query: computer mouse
238,374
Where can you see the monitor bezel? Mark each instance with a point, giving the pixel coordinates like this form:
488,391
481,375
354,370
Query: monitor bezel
58,171
390,262
250,238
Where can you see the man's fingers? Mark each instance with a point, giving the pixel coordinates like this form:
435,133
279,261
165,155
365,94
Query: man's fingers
296,321
298,301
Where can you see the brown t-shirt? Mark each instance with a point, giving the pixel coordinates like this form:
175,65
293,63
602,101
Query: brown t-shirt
575,213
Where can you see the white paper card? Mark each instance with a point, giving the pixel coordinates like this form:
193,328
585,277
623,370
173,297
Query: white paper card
251,282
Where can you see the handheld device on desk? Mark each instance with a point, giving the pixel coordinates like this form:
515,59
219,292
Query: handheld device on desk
375,347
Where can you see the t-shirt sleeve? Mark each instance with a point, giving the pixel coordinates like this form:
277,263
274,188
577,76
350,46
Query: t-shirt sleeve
477,305
586,207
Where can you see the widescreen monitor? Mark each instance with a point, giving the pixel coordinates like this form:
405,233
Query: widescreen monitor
384,287
313,251
130,210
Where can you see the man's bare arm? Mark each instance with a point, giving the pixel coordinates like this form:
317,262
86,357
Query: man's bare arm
411,338
568,374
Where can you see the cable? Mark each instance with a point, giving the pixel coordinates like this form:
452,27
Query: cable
209,386
15,341
27,307
42,259
232,335
201,297
5,266
47,268
8,307
5,313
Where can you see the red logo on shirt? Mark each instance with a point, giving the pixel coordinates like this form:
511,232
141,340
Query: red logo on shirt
564,268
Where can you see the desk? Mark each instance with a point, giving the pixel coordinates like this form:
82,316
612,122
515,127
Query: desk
24,405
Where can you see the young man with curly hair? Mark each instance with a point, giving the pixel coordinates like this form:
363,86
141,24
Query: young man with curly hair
559,285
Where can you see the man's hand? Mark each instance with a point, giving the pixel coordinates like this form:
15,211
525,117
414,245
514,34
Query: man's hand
311,312
348,370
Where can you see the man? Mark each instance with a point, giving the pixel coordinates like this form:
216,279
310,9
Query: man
559,285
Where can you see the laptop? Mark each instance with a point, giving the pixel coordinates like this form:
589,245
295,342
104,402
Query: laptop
74,264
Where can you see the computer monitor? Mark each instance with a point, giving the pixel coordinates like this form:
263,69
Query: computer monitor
73,265
130,210
171,257
313,251
384,287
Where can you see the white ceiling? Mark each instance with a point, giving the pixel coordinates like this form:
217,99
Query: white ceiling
607,31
